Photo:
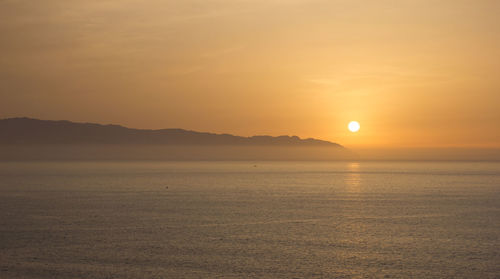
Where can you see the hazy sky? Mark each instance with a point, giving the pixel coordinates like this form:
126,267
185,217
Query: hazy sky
413,73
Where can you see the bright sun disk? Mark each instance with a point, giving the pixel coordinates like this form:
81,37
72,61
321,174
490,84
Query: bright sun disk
353,126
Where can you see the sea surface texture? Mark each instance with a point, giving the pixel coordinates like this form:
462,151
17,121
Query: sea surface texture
249,220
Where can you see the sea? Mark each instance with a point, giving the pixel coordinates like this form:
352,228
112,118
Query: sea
249,219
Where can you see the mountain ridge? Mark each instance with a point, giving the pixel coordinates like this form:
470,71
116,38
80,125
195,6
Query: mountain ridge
24,130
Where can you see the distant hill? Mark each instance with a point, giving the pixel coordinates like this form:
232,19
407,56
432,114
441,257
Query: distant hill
24,139
35,131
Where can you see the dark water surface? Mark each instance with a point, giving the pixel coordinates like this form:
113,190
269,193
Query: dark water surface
248,219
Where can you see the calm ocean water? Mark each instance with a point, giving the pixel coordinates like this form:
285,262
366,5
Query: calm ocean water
249,220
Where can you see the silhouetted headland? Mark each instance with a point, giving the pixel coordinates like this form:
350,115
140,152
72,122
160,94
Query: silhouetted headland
27,138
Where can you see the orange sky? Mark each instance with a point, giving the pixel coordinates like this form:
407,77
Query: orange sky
413,73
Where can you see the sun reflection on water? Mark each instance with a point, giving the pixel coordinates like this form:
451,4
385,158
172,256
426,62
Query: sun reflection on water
353,177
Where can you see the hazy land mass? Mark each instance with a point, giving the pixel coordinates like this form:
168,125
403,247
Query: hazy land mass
34,139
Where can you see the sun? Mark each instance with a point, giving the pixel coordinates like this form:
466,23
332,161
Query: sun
353,126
